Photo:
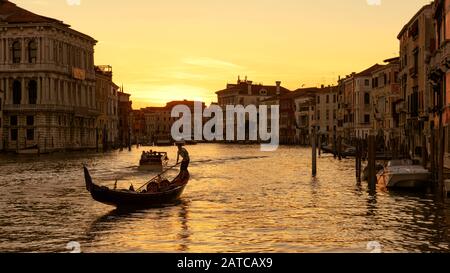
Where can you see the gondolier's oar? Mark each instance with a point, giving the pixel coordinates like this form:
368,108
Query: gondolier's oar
153,179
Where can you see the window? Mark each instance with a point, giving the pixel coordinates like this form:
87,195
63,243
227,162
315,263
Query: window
32,52
366,98
366,118
17,92
328,99
328,114
30,134
32,92
415,69
30,120
318,115
366,82
318,99
375,83
13,120
0,104
13,134
17,52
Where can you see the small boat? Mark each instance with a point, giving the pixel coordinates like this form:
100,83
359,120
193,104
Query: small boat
403,174
155,195
153,161
34,150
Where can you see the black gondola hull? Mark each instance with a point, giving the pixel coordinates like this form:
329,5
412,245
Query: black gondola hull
126,199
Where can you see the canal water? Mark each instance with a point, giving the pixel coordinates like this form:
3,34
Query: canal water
238,200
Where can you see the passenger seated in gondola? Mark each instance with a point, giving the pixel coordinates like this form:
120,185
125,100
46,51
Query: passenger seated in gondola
131,188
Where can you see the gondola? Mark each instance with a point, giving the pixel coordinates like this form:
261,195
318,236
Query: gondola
131,199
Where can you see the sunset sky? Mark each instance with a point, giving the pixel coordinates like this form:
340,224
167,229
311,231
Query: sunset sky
163,50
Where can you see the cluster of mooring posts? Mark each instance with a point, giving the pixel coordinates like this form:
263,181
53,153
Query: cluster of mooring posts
374,148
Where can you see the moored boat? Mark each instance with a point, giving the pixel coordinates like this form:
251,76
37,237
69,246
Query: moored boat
157,194
403,174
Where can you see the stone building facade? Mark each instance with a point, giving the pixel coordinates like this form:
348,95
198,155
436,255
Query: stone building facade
106,93
385,96
47,73
416,43
124,110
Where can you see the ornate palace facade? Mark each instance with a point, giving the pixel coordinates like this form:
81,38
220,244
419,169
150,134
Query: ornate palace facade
48,78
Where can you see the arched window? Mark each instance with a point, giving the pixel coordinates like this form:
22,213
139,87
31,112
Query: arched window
32,52
17,92
366,98
17,52
32,92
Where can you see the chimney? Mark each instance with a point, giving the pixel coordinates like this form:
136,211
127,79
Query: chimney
249,86
278,87
322,86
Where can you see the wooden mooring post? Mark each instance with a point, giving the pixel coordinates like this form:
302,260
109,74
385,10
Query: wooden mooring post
433,153
314,152
372,179
358,160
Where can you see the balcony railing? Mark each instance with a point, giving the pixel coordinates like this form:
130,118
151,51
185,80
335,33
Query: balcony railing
51,108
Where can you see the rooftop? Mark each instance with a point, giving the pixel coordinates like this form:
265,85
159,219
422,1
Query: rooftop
242,87
12,14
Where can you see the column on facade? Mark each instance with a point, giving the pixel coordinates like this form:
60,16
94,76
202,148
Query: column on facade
39,90
38,57
23,99
2,51
8,92
23,50
50,46
56,98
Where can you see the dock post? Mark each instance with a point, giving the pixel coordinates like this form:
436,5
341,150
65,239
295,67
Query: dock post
372,179
433,153
320,145
441,155
314,152
334,145
339,149
358,160
424,151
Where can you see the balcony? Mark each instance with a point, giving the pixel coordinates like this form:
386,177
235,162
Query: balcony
79,111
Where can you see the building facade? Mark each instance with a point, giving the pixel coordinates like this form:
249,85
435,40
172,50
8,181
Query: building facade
124,111
417,40
47,74
385,96
326,108
158,121
304,116
106,93
247,93
439,80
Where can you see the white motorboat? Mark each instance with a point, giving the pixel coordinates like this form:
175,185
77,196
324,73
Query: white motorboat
403,174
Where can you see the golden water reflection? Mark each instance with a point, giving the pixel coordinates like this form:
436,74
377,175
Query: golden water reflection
238,200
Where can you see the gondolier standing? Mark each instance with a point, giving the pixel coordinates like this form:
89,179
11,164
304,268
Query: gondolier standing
185,156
